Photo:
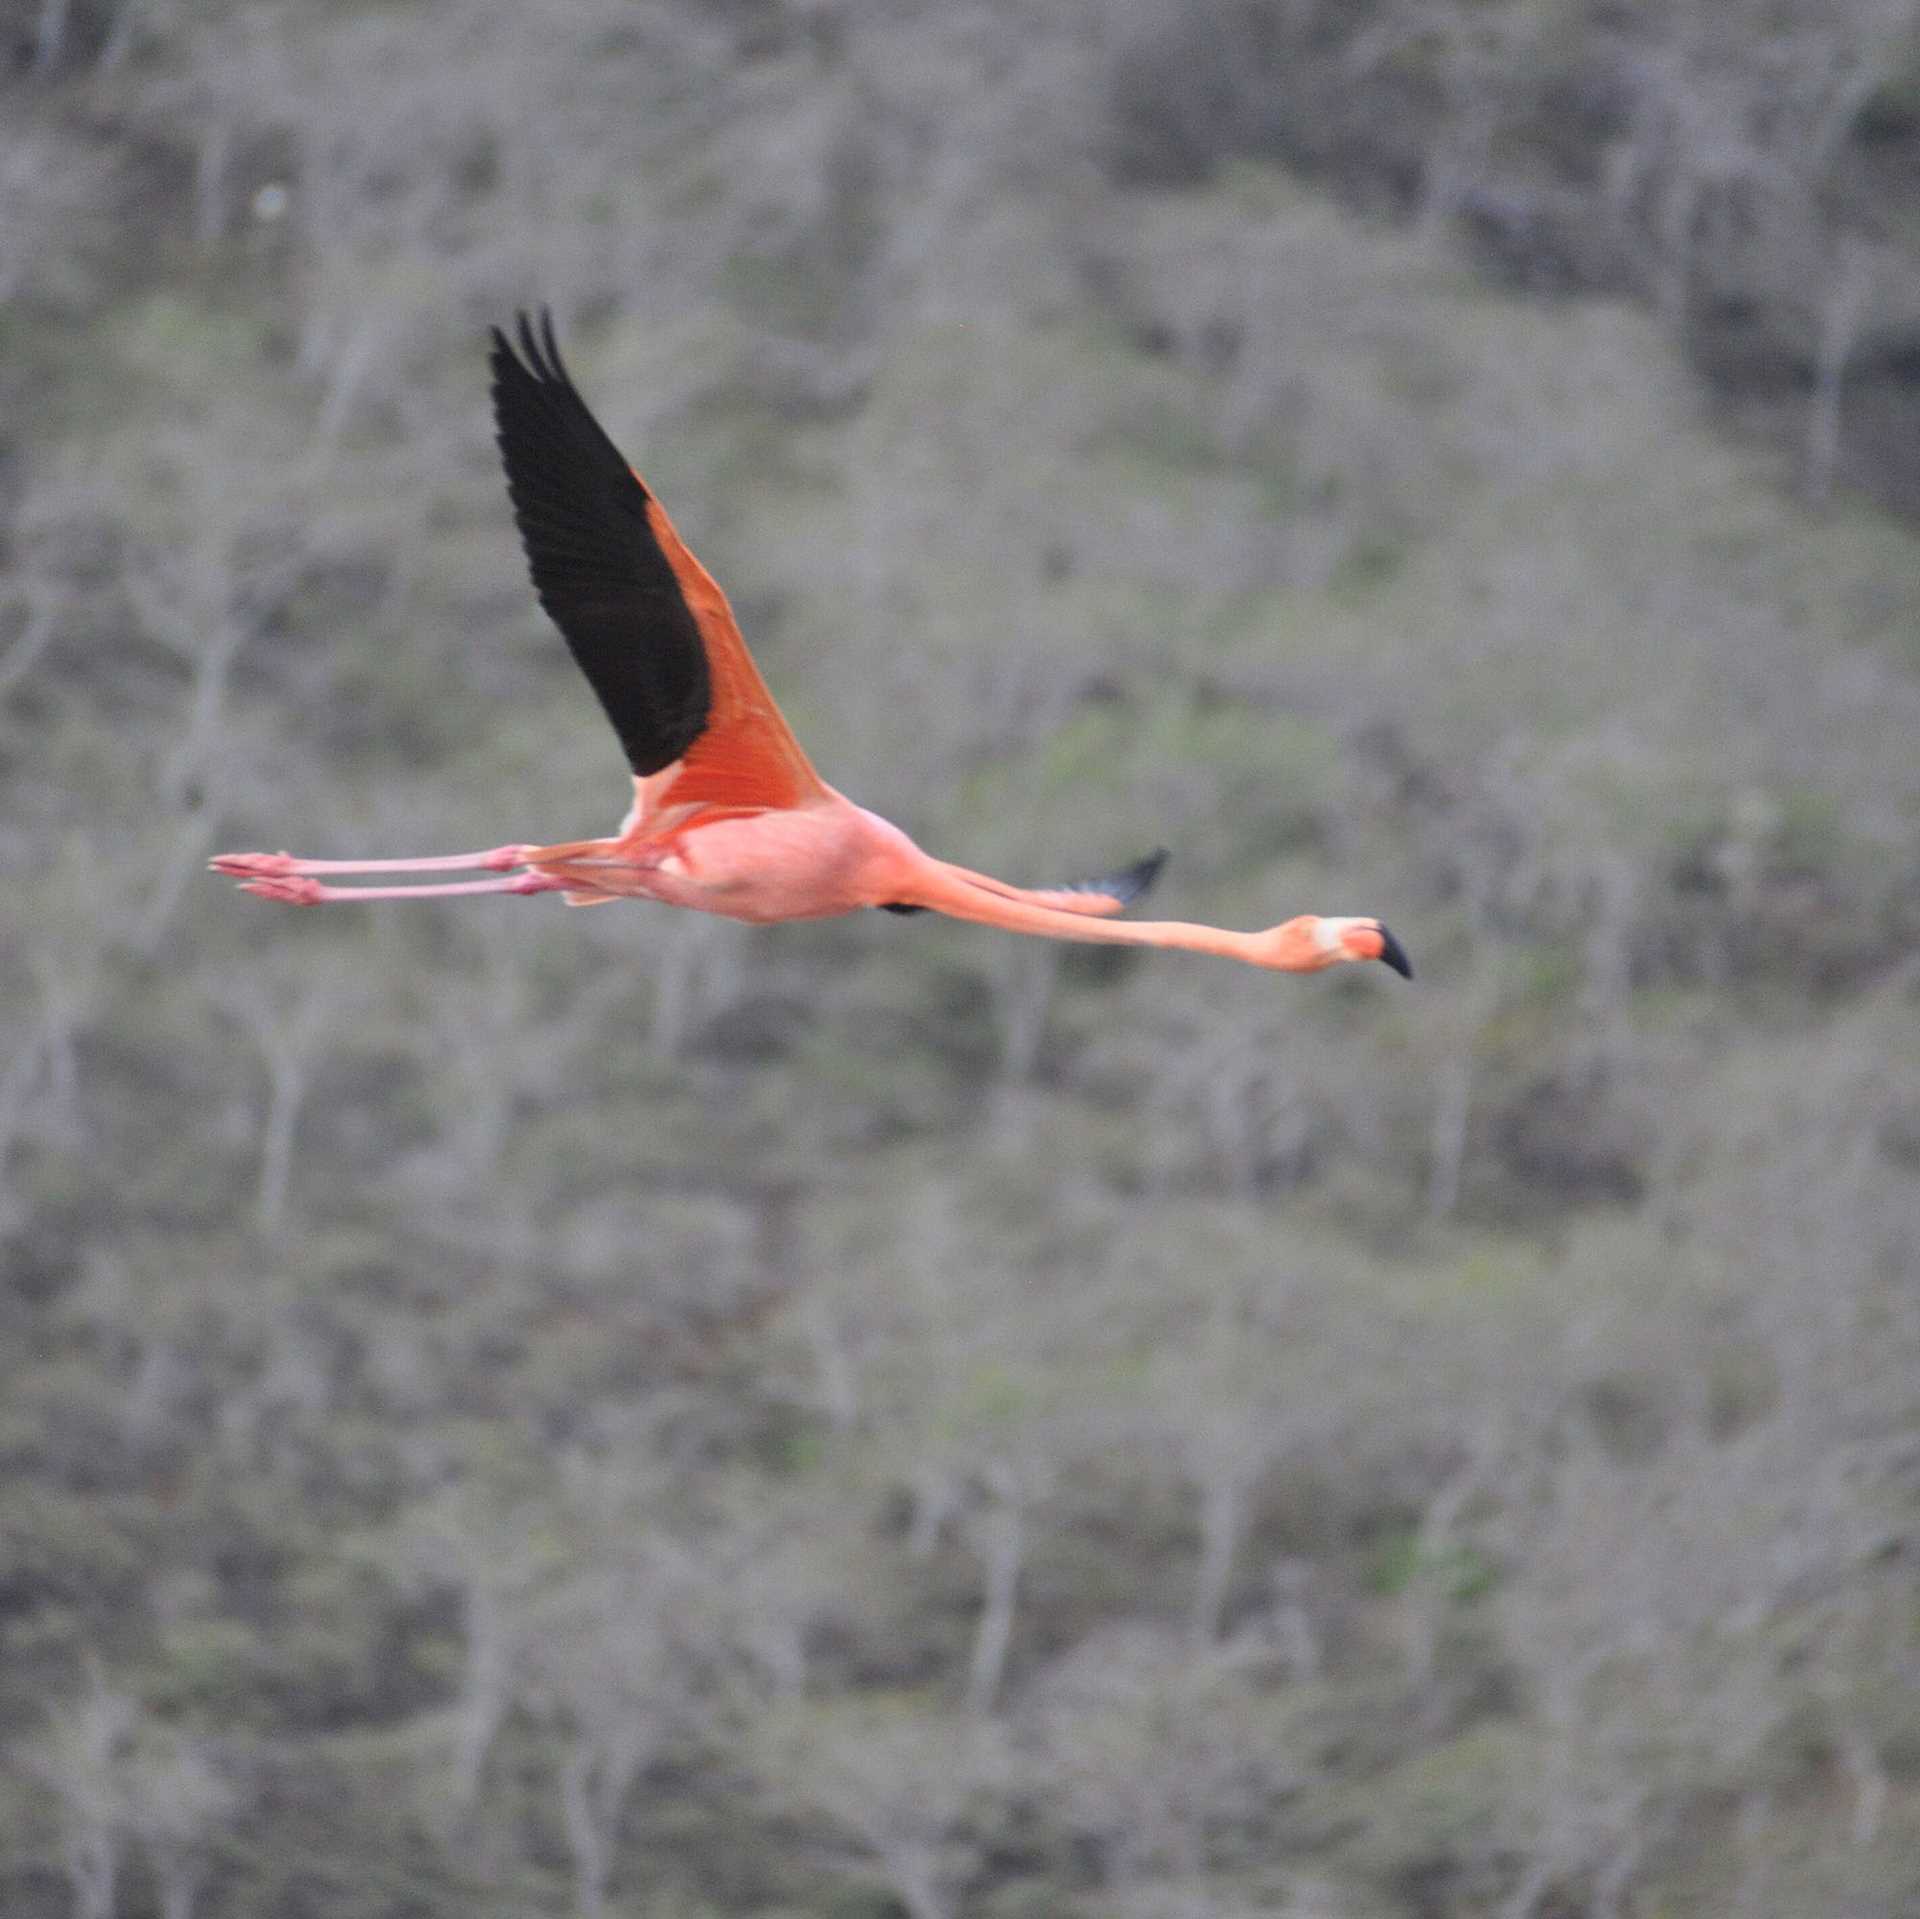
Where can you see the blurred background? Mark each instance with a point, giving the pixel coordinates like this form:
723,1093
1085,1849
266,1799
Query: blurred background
508,1411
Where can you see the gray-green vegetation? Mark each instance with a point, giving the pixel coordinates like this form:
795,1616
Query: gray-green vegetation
512,1411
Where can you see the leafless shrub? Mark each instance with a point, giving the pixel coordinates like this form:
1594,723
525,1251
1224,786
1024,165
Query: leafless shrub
124,1783
904,1788
1154,1751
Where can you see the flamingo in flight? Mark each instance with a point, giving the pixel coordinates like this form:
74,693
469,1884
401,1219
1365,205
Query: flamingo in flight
728,815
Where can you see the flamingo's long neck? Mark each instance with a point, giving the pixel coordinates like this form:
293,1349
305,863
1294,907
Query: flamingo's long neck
943,888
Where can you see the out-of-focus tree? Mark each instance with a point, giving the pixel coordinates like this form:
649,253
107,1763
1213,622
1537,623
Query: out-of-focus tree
777,1579
996,1528
207,583
126,1783
697,974
50,188
601,1671
84,1761
980,1435
1229,1415
910,1791
288,1020
1227,1106
180,1803
1153,1751
61,969
1656,1581
1466,57
496,1564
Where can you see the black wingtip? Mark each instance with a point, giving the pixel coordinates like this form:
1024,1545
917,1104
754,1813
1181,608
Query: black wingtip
533,346
1132,882
597,563
1393,954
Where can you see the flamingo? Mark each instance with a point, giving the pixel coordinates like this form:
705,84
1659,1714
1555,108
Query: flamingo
728,815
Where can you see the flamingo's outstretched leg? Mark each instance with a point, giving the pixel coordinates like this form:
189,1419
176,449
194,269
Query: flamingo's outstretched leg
266,866
301,889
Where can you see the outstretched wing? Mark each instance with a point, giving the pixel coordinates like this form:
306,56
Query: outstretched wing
643,619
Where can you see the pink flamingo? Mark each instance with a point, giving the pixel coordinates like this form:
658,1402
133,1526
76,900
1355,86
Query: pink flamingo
728,815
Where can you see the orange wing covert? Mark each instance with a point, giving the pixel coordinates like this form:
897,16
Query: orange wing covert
747,755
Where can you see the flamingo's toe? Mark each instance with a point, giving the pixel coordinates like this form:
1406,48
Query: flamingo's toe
290,889
252,865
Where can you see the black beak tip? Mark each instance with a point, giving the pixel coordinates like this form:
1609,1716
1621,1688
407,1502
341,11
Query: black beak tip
1395,955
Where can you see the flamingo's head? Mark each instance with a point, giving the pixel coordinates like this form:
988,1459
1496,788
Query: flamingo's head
1314,941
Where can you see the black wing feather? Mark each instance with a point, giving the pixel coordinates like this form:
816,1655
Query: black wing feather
1128,884
599,571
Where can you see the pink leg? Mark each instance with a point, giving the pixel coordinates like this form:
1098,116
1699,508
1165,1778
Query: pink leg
297,889
498,859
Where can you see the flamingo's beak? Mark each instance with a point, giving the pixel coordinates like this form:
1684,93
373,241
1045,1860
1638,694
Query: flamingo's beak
1369,940
1395,954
